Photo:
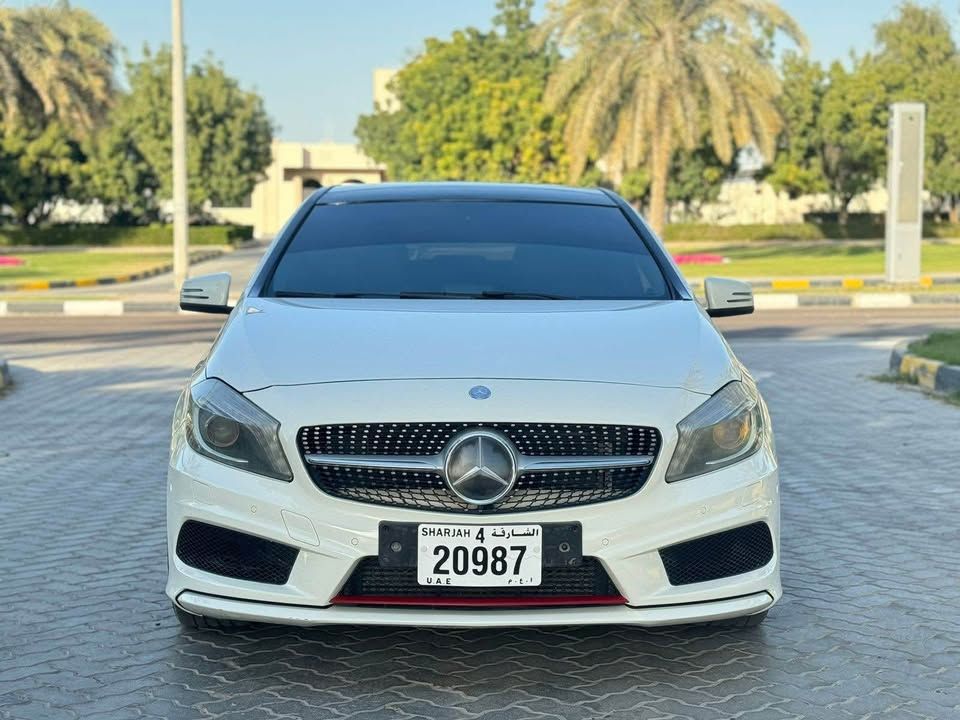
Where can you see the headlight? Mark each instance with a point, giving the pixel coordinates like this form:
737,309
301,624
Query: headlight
223,425
727,428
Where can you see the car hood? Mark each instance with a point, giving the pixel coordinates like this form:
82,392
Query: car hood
269,342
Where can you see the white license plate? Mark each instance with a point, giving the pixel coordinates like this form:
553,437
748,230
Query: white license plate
479,555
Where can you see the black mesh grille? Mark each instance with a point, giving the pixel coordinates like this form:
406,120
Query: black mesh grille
432,438
234,554
587,579
427,490
718,556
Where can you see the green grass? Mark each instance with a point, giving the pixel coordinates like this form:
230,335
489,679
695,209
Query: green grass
767,260
111,235
75,265
942,346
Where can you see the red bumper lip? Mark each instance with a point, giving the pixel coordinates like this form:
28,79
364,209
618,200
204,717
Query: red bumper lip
480,602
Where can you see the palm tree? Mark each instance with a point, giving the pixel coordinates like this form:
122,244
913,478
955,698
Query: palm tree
643,77
55,62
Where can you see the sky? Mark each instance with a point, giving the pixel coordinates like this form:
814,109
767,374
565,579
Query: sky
313,60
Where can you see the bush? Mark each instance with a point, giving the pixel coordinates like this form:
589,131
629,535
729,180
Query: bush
858,227
115,236
691,232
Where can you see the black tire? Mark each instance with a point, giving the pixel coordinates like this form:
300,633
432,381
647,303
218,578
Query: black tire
202,622
747,621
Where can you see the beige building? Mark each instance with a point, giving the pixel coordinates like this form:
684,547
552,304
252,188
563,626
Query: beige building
296,171
383,97
300,168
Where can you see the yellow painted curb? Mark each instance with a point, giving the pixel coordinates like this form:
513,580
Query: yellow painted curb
85,282
852,283
122,279
34,285
790,284
926,281
924,371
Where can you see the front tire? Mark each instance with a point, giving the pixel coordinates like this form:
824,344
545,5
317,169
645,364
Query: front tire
189,621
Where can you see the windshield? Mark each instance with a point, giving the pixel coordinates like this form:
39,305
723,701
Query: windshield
452,249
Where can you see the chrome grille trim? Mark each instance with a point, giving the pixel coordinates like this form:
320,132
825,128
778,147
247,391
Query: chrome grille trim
525,463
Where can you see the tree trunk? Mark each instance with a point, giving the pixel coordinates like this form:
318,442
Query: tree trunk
954,210
843,214
660,151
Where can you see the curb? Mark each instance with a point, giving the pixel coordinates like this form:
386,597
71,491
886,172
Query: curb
109,280
762,301
789,301
847,283
5,379
930,374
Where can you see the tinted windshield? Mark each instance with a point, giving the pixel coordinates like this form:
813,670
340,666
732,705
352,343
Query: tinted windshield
468,249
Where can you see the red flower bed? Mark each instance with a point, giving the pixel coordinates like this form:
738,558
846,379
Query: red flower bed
699,259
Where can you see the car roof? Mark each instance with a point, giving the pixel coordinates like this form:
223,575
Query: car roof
503,192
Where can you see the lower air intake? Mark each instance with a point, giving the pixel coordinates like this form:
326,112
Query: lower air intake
584,584
234,554
728,553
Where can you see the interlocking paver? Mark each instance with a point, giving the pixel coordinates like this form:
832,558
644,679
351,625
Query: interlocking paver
869,625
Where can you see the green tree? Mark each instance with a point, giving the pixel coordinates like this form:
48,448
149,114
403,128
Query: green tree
696,176
56,84
647,76
55,62
228,140
853,131
798,167
471,108
36,169
919,62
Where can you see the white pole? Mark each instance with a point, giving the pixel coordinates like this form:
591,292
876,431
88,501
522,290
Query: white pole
181,258
904,226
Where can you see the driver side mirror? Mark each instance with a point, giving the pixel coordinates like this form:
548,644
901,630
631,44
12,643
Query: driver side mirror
727,297
207,294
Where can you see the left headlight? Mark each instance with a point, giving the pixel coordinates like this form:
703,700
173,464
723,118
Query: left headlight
223,425
727,428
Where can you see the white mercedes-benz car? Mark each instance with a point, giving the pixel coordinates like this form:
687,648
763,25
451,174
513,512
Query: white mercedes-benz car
470,405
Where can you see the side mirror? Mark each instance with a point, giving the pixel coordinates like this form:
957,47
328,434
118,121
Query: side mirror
727,297
207,294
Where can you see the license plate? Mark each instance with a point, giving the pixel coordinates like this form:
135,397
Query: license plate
479,555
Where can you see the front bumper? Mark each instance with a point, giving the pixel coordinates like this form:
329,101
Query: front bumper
333,535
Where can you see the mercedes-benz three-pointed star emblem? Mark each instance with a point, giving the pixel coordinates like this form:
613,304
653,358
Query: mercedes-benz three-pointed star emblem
480,467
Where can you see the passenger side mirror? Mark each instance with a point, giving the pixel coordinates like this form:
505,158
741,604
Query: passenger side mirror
207,294
727,297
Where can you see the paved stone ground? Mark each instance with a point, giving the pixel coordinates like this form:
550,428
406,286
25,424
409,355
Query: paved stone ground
869,626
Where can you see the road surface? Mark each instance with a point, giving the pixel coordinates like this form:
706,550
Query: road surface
869,625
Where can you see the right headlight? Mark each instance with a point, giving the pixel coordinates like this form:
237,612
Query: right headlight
220,423
727,428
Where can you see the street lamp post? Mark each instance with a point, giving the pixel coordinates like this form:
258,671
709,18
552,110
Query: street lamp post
181,258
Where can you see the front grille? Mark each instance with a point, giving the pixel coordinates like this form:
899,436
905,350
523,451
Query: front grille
432,438
427,490
234,554
588,579
718,556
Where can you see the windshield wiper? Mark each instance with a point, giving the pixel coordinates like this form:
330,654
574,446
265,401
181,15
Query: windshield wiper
428,295
482,295
505,295
306,294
